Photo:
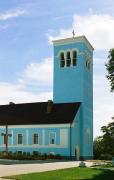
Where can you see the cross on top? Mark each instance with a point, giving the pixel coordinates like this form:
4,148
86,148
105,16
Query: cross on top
73,33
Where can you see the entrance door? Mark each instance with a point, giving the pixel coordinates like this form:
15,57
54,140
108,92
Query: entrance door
77,153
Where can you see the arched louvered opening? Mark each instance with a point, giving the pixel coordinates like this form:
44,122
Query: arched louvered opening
62,59
74,60
68,59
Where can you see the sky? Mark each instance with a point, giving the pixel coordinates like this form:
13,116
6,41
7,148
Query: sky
27,28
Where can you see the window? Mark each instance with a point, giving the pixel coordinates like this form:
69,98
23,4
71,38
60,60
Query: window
88,64
52,138
88,136
19,152
35,138
62,60
68,60
19,139
74,60
4,140
35,153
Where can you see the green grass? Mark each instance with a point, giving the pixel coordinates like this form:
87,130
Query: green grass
69,174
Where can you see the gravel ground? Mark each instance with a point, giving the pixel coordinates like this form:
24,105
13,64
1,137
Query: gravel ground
16,169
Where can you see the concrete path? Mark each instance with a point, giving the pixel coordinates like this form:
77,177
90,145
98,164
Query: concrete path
16,169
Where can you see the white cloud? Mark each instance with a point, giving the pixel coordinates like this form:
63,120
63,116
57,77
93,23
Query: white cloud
103,98
14,93
98,28
38,73
35,76
11,14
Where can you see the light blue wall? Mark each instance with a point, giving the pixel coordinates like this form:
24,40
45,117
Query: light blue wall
68,81
42,147
75,84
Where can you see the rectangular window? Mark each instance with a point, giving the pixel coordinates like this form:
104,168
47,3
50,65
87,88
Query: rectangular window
19,139
35,138
52,138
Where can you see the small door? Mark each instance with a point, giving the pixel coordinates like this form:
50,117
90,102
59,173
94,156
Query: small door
77,153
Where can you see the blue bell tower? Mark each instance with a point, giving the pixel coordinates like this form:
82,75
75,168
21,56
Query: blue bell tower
73,82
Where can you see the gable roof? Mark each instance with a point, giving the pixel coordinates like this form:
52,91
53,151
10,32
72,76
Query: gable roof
36,113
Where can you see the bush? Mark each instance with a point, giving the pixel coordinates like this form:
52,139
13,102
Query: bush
19,155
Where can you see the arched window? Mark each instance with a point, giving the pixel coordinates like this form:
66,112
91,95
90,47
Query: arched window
88,136
68,59
62,59
35,138
88,64
74,60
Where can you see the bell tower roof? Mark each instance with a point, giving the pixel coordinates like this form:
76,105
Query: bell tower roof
73,40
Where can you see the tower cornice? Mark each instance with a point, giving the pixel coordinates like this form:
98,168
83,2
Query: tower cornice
73,40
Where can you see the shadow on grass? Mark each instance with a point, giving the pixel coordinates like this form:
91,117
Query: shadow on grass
104,175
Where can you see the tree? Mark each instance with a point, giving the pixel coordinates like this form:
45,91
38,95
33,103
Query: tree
104,145
97,148
110,68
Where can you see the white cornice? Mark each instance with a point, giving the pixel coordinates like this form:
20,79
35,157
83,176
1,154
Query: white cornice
73,40
37,126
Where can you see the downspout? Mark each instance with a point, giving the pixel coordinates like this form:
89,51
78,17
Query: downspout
70,141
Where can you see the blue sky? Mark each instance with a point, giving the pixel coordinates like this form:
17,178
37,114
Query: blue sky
26,52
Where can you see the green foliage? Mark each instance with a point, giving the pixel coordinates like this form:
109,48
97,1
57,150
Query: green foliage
19,155
104,145
110,68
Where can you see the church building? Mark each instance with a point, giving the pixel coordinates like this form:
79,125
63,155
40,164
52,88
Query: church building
63,126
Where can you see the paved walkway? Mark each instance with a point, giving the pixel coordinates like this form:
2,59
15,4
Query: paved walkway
16,169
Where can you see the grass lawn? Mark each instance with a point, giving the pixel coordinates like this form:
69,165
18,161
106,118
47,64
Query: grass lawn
69,174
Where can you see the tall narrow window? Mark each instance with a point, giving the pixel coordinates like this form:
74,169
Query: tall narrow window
68,60
4,139
88,136
19,139
35,138
52,137
74,60
62,60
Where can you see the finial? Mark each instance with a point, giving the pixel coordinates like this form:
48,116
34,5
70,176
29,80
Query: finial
73,33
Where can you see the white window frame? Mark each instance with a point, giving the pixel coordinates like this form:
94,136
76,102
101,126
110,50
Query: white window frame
54,136
33,138
18,138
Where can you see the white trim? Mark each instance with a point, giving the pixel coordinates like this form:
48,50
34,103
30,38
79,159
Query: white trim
39,126
35,146
64,137
73,40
